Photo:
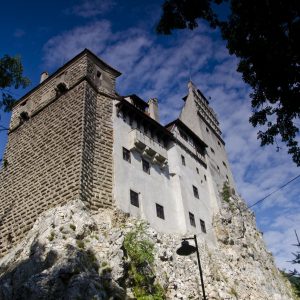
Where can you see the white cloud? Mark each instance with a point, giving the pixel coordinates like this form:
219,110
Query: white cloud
91,8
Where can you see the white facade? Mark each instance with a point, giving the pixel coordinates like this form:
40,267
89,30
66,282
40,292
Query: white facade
188,165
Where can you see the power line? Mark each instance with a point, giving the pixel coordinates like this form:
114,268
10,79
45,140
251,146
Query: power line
261,200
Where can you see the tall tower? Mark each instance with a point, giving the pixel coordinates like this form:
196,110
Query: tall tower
201,118
59,146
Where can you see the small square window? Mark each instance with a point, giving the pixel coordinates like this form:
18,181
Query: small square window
197,170
146,166
160,211
134,198
126,155
183,160
192,219
202,225
195,190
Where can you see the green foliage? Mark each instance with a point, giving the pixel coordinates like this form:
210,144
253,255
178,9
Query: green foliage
51,236
73,227
273,74
226,192
11,76
233,292
142,278
138,248
295,283
80,244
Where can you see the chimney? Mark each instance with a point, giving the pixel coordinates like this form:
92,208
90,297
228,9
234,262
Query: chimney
44,76
153,109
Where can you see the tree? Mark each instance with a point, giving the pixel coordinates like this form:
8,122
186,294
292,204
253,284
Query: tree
265,36
11,76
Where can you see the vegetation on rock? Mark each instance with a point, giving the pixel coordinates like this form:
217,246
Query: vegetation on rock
226,192
140,251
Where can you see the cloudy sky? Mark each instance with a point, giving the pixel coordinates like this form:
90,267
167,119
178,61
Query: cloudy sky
48,33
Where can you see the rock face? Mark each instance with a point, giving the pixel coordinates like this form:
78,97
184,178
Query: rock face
69,254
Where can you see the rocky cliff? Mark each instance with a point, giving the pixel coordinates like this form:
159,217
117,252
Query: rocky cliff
71,254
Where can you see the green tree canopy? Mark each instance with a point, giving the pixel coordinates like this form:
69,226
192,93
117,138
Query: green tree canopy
265,36
11,77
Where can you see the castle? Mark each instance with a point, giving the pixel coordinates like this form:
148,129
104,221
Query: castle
74,137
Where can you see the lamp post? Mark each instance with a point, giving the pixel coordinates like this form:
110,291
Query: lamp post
187,249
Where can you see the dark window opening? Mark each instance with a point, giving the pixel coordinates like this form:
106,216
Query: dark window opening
212,150
196,193
138,124
98,74
224,164
126,155
146,166
218,168
207,129
192,219
183,135
219,143
205,177
160,211
227,177
202,225
134,198
197,170
183,160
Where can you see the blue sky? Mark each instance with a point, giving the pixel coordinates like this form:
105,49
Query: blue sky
48,33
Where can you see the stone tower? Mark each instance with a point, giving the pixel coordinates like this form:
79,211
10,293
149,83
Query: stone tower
59,146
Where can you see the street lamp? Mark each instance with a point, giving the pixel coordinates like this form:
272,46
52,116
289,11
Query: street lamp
187,249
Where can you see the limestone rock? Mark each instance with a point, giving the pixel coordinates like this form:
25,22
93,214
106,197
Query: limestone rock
71,254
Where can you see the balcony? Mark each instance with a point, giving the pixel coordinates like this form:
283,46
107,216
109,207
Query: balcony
148,147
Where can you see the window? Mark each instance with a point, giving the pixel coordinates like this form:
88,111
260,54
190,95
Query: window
160,211
183,135
205,177
146,166
224,164
202,225
212,150
126,155
207,129
195,190
219,143
218,168
183,160
227,177
197,170
192,219
134,198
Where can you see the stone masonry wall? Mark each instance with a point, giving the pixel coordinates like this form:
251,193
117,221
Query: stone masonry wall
43,158
63,152
103,162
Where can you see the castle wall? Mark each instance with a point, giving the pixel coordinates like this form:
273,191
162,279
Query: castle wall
63,150
44,157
